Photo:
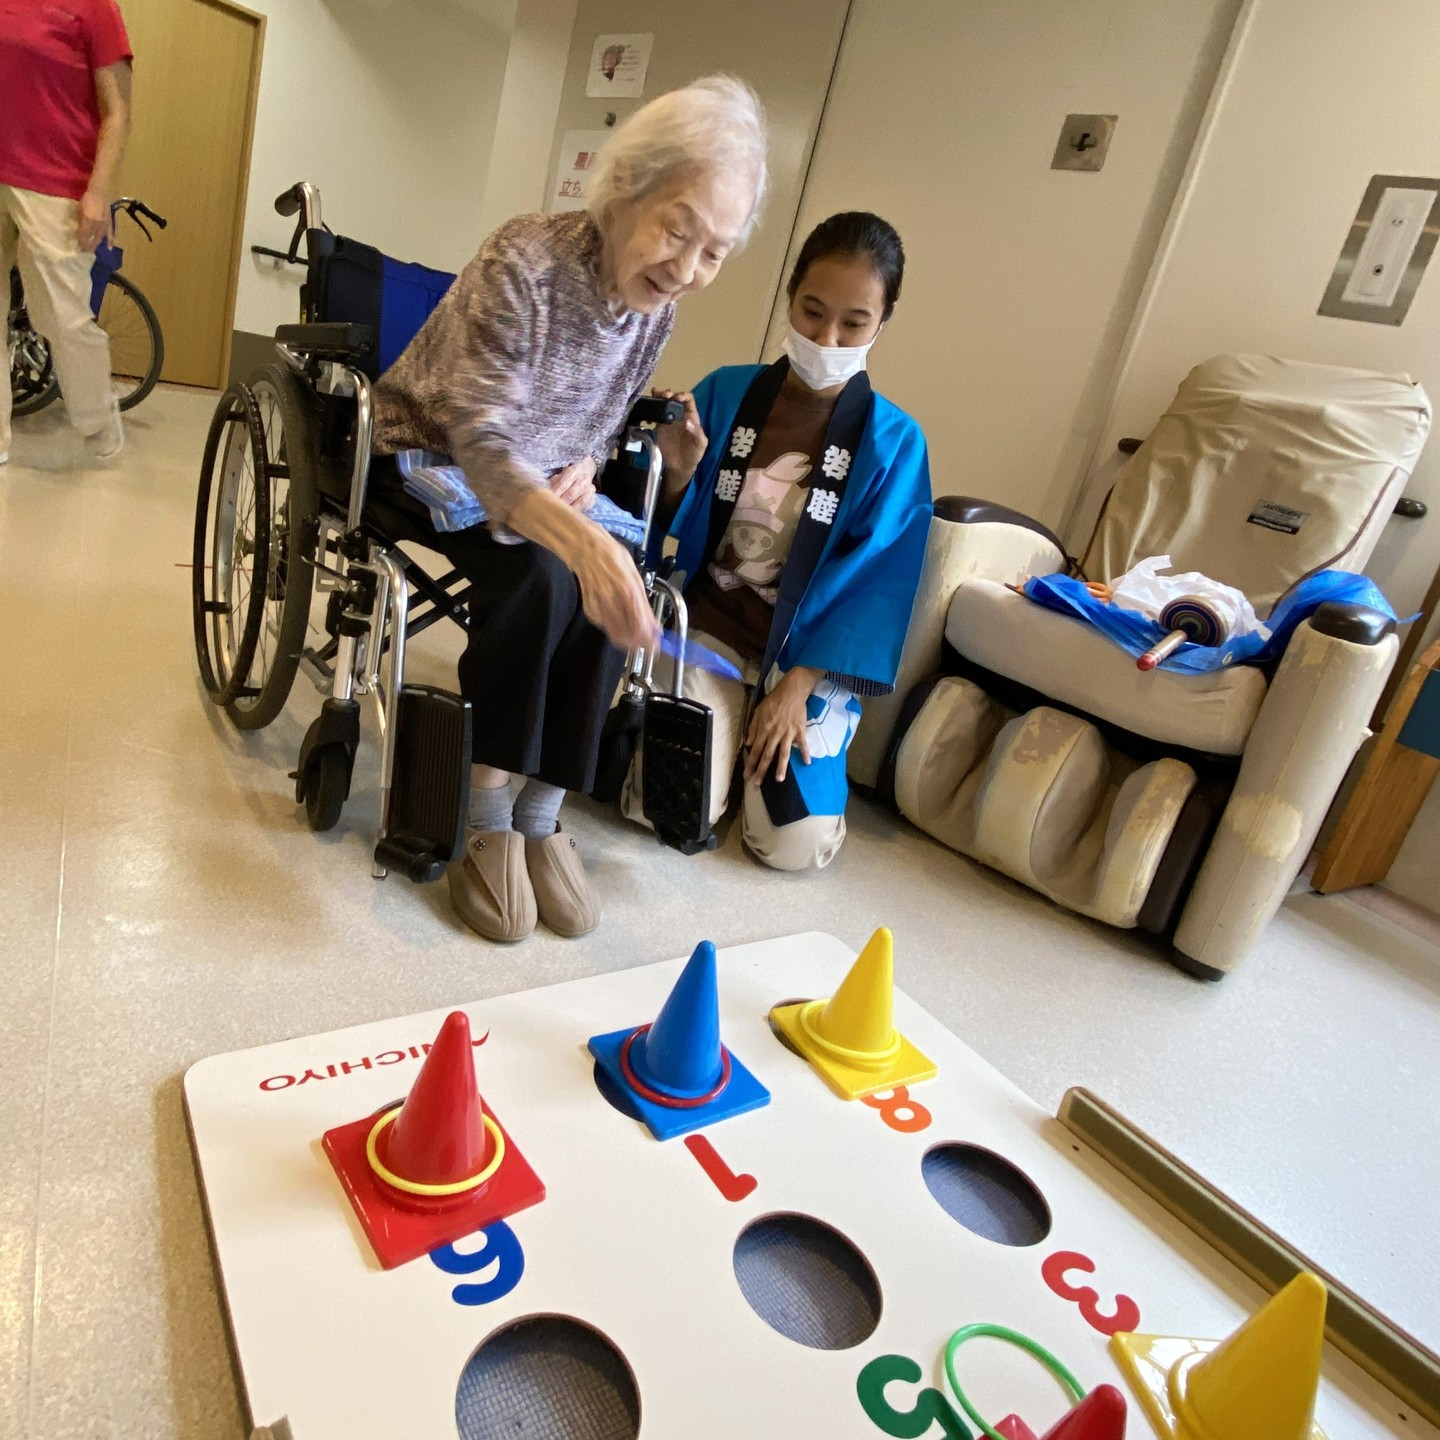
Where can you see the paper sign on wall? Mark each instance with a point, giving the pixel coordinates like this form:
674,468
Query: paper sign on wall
572,175
617,67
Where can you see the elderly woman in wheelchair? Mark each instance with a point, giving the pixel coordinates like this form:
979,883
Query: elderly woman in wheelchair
524,374
503,392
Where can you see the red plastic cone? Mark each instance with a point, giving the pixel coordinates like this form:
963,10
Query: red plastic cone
439,1136
1099,1416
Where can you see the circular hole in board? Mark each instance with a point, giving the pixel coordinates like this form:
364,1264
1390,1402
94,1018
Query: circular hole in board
613,1095
986,1194
547,1375
777,1032
804,1279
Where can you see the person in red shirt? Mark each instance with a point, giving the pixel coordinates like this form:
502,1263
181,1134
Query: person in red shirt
65,79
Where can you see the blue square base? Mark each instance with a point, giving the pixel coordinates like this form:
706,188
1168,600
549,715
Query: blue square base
743,1093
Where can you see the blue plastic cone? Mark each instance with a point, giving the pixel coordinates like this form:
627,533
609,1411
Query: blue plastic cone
680,1053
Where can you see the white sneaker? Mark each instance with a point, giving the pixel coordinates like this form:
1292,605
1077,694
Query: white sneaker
4,456
107,442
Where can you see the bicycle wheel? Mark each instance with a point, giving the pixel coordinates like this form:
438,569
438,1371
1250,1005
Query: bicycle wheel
231,548
137,348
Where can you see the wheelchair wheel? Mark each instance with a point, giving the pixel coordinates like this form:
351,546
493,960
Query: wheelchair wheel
255,530
137,348
327,783
32,372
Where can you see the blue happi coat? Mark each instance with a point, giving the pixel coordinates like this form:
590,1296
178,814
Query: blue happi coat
854,613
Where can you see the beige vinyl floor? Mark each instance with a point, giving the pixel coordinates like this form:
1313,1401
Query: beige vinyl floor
162,902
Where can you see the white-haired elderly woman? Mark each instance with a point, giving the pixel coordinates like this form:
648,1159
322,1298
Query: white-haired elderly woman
524,374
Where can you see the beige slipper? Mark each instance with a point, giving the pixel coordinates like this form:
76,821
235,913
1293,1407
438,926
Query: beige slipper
490,886
562,889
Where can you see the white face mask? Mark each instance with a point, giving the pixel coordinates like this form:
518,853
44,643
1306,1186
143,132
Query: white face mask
822,367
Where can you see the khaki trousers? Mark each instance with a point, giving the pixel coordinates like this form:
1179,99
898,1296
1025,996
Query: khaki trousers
39,232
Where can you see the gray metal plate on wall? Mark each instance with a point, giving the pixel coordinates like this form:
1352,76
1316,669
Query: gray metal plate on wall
1333,303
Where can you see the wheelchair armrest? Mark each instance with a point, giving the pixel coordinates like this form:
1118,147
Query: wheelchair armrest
331,340
1344,620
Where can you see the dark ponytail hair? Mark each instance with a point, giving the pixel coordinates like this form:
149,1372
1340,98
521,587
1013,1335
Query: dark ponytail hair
855,233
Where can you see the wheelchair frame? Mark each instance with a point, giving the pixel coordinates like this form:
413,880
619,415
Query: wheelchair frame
369,617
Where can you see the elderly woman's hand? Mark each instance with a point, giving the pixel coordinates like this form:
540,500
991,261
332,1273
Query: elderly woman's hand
575,484
612,592
682,445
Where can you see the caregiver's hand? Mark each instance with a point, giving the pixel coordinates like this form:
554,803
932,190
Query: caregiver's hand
610,586
575,484
682,445
777,725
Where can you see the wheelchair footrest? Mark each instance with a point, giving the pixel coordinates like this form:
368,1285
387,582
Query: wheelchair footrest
675,784
430,788
415,858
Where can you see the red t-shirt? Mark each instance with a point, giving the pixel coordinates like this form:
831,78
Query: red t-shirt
49,116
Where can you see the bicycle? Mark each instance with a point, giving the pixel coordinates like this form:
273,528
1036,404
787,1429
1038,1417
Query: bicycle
137,346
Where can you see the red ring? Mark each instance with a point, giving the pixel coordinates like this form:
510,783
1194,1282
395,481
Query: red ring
654,1096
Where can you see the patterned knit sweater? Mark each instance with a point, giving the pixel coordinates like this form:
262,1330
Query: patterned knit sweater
522,368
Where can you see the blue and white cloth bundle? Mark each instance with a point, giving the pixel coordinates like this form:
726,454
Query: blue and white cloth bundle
439,485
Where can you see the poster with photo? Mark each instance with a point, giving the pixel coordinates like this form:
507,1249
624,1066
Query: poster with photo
572,174
617,67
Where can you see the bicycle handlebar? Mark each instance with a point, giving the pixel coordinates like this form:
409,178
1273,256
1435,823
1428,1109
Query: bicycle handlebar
135,209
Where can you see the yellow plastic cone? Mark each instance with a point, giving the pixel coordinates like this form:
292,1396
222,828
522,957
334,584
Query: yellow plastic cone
1260,1383
851,1038
859,1021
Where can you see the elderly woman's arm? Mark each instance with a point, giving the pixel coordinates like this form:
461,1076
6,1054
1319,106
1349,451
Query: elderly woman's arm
483,397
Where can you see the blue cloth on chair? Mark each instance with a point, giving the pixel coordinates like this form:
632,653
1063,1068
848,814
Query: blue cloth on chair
439,484
1136,633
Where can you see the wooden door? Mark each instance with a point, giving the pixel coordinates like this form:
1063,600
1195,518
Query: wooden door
197,70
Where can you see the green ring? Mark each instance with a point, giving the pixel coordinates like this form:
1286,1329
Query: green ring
1013,1337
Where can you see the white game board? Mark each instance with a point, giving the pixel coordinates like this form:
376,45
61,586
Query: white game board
637,1241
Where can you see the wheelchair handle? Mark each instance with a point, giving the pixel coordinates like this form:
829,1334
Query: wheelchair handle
302,199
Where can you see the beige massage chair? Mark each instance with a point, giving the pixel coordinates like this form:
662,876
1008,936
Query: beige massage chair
1181,804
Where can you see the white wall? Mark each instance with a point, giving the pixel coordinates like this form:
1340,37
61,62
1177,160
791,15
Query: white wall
1020,280
1318,96
787,53
390,107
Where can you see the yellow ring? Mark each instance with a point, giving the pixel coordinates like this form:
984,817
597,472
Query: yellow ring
860,1059
414,1187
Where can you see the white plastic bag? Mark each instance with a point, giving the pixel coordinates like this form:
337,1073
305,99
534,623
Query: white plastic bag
1143,588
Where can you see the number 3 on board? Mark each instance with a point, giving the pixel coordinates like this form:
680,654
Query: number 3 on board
1126,1315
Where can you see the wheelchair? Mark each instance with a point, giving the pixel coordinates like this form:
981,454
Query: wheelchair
283,517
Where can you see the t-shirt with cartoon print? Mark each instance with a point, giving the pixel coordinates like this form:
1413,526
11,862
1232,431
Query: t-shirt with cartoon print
734,599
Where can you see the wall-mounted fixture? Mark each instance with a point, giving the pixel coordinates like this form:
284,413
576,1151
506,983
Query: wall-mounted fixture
1084,142
1390,242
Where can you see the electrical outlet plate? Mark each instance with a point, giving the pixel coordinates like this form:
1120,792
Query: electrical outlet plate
1381,300
1084,142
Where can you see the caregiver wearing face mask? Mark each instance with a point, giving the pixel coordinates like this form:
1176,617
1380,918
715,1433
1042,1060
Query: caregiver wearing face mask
804,506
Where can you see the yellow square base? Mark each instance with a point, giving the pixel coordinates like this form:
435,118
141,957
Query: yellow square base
849,1082
1146,1362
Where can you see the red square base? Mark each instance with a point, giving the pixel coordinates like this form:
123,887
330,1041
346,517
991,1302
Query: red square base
398,1234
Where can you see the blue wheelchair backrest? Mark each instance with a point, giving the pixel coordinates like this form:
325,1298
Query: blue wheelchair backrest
355,283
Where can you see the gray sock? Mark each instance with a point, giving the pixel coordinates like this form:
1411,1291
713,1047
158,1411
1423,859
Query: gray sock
537,809
490,809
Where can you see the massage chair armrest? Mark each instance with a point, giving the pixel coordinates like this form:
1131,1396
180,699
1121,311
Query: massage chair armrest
969,539
967,510
1315,717
1359,624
